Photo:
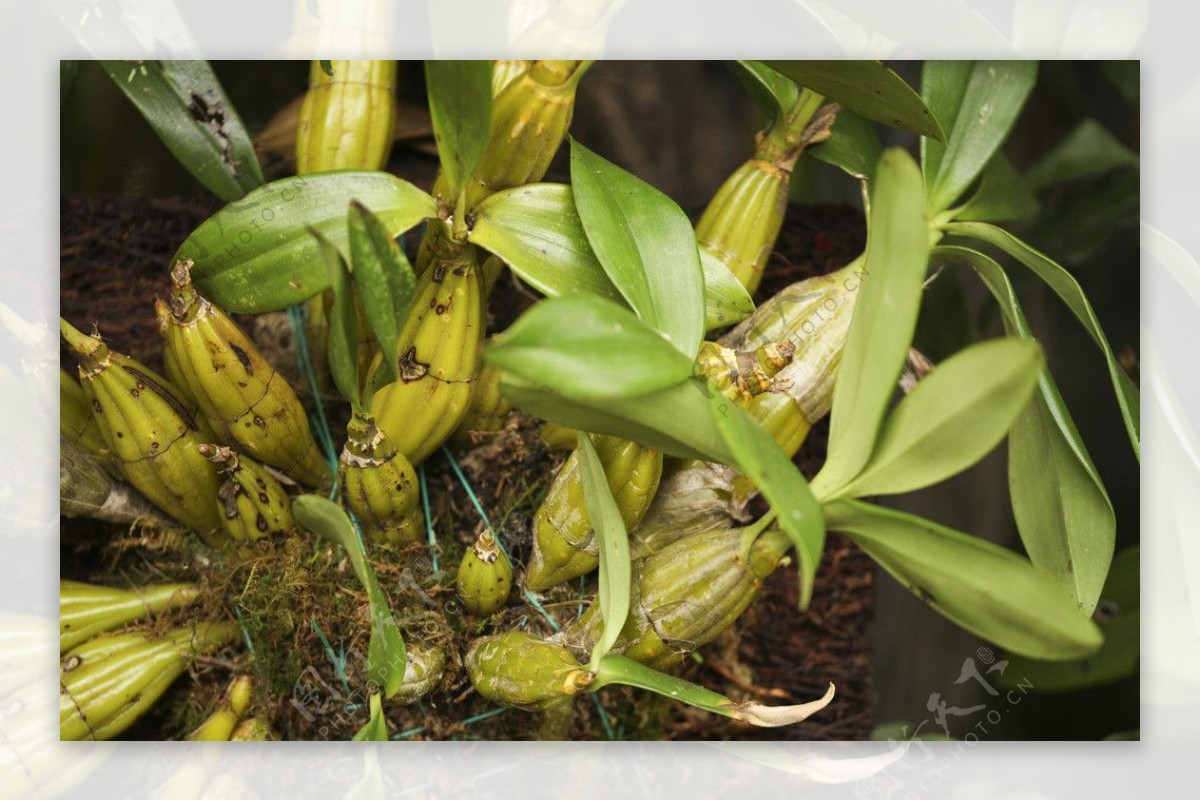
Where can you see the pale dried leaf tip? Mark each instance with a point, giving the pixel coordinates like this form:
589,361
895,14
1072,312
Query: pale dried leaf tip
773,716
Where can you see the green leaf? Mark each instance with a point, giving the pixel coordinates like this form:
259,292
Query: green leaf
588,347
726,301
375,729
645,244
852,146
616,669
1063,513
885,317
1088,150
1086,218
676,420
342,346
867,88
1068,289
977,102
385,651
385,279
326,67
184,102
1002,195
615,568
765,463
256,255
460,105
536,230
774,92
988,590
953,418
1116,659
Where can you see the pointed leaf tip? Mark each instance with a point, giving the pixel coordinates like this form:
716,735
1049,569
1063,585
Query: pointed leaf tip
775,716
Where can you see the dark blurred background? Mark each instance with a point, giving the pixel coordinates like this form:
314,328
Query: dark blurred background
684,126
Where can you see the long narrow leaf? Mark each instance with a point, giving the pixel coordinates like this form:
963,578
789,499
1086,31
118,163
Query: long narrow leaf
1068,289
588,347
676,421
460,105
342,346
1117,659
616,669
1090,149
867,88
760,458
953,418
646,245
184,102
772,90
977,103
884,318
1002,195
536,230
385,651
726,300
1063,513
615,569
374,729
385,279
852,146
256,255
988,590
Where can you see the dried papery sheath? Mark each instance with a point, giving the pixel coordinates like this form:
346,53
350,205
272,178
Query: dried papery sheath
85,489
505,71
741,374
424,666
693,497
812,318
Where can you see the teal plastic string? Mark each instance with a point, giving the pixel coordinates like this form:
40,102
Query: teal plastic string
491,713
462,479
339,663
237,612
608,731
433,556
297,317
